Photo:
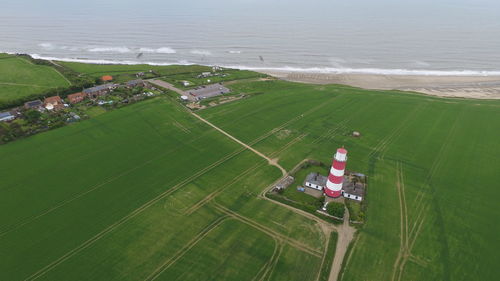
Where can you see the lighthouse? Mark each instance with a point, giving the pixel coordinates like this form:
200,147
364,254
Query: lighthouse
333,186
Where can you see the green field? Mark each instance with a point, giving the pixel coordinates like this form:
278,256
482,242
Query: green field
149,192
443,155
20,78
146,191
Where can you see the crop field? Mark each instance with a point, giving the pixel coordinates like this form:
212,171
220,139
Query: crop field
432,167
146,192
20,78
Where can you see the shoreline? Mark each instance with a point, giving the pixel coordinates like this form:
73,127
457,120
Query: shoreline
444,84
470,87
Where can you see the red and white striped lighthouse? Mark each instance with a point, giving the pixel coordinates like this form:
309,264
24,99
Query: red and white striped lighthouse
336,177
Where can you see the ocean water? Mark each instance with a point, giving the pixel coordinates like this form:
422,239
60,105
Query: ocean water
439,37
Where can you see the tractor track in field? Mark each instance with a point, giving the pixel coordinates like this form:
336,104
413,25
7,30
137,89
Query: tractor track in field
131,215
403,232
277,249
380,149
272,263
179,254
409,235
292,242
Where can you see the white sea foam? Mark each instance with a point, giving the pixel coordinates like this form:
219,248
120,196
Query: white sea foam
121,50
322,70
201,52
47,46
162,50
234,52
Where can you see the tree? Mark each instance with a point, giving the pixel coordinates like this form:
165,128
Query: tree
32,115
335,209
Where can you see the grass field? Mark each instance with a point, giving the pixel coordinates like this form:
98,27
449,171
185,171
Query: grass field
432,166
124,73
146,192
149,192
20,78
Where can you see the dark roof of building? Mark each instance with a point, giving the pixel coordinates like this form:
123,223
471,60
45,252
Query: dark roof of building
99,88
317,179
357,189
34,103
209,91
134,82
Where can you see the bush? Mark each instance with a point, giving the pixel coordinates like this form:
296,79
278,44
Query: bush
335,209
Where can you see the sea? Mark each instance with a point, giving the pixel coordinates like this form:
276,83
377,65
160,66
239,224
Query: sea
400,37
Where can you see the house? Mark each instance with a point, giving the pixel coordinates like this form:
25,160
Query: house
185,83
100,90
6,116
139,74
353,190
53,103
76,97
35,104
107,78
315,181
135,83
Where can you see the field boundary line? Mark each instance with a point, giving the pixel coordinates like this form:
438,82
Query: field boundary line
188,246
271,162
134,213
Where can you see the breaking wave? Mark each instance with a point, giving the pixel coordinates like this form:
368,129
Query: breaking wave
201,52
162,50
121,50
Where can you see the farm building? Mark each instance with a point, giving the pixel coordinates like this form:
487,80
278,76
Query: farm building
208,91
100,90
316,181
34,104
6,116
53,103
76,97
185,83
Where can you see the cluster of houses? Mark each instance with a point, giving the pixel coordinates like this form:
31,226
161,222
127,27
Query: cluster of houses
56,103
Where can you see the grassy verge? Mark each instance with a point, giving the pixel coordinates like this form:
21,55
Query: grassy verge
330,254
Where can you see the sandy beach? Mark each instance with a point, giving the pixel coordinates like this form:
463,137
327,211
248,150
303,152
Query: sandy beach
474,87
